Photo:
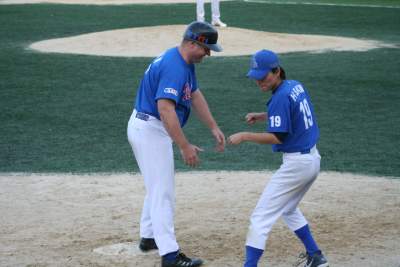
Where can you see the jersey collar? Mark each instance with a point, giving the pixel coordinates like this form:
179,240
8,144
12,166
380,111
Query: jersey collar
279,86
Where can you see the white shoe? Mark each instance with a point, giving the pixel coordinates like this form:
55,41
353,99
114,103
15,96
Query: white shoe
219,23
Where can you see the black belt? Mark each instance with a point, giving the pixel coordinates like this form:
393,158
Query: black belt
142,116
307,151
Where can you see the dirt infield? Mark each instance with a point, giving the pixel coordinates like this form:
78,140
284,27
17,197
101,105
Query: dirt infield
58,220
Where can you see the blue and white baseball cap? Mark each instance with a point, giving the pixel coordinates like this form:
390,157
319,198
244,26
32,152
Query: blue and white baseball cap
262,62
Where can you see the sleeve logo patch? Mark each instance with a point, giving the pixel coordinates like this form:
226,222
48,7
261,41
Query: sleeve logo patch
187,92
171,91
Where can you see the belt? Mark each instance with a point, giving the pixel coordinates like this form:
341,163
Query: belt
142,116
305,151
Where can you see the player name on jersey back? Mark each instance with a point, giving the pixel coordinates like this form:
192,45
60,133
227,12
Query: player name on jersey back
296,91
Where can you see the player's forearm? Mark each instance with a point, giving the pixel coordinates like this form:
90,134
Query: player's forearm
171,123
262,116
260,138
205,116
202,110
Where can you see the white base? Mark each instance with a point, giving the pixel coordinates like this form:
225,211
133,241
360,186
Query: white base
123,249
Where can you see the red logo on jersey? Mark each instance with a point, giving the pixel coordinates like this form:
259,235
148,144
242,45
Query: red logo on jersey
187,92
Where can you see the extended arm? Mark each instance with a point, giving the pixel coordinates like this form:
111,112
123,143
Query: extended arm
203,112
260,138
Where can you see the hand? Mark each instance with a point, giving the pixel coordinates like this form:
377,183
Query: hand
189,154
219,138
236,138
253,117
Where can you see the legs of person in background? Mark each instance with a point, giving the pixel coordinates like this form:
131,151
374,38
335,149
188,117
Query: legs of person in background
200,10
216,15
200,13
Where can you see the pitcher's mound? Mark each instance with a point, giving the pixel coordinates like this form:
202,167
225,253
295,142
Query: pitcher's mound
152,41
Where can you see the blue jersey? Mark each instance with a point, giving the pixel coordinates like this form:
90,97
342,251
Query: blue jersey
290,111
167,77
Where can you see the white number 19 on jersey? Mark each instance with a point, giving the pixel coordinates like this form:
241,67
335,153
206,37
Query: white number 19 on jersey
275,121
305,109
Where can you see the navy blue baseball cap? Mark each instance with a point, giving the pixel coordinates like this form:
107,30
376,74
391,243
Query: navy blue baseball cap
261,63
204,34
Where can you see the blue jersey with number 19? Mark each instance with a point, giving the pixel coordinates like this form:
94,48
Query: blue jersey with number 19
290,111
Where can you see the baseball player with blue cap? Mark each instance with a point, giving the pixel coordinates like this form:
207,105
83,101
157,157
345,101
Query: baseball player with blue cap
167,93
291,129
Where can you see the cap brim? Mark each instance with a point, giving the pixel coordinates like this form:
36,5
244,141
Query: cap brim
257,74
214,47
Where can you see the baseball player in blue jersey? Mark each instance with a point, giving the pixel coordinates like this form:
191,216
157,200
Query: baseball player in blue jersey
165,97
292,129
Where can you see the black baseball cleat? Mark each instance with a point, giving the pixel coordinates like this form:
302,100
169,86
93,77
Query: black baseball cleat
181,261
147,244
317,260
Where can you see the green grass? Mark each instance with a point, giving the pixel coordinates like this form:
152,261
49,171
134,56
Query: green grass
380,3
68,113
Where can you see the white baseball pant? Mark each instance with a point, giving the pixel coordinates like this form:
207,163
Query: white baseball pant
152,147
214,10
281,196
